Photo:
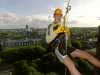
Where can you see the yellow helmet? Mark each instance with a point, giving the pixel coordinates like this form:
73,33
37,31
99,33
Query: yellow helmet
58,11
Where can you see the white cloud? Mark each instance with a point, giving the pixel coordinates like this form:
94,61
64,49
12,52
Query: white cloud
86,14
11,20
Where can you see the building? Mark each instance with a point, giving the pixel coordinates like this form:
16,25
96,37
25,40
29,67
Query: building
16,43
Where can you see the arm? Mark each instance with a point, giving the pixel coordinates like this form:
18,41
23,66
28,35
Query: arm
87,56
94,61
67,62
71,67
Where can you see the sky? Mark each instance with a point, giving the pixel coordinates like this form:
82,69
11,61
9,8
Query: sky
38,13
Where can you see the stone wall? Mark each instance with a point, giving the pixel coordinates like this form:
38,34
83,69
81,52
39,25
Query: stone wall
98,44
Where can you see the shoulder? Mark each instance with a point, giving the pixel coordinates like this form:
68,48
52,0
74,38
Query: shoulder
51,24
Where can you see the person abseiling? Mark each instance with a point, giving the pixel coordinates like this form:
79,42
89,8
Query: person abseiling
56,32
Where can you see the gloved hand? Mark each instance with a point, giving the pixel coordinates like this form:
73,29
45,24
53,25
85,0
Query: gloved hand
59,55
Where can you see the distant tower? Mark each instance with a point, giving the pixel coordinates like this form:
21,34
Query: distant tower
27,28
27,31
